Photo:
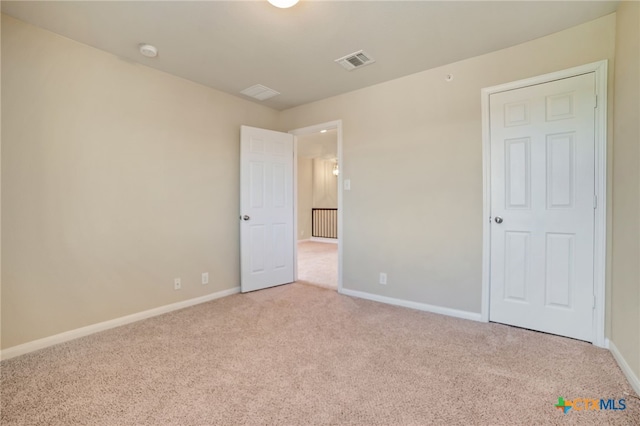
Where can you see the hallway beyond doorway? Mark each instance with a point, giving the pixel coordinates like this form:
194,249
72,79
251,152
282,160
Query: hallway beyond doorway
318,263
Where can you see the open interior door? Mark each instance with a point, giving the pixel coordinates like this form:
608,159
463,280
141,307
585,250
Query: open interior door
266,208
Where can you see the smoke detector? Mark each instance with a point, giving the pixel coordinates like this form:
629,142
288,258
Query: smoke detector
355,60
148,50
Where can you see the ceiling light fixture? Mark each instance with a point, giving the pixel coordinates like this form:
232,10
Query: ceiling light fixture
148,50
323,131
283,4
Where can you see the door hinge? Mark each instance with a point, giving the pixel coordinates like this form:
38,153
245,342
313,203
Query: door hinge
594,302
595,101
595,201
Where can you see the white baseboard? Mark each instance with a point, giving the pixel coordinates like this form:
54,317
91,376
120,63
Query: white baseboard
324,240
413,305
106,325
634,381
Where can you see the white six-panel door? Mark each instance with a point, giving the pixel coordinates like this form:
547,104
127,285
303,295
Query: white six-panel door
266,208
542,207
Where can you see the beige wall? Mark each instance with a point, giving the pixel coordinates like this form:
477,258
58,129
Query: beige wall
116,178
0,197
305,197
412,150
625,302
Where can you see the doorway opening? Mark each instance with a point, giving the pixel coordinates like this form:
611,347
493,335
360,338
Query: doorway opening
317,205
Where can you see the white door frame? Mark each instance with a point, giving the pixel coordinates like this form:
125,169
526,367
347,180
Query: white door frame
600,234
336,124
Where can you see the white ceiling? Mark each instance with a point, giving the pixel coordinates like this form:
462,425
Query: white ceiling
231,45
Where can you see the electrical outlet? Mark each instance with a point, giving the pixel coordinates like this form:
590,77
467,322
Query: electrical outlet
205,278
383,278
177,284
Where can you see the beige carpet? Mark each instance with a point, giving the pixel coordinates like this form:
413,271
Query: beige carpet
318,263
299,355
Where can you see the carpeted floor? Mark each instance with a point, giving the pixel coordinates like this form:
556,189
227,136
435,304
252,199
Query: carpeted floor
299,355
318,263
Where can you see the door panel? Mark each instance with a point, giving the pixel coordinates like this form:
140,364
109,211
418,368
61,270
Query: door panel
266,201
518,172
560,169
516,265
542,180
560,266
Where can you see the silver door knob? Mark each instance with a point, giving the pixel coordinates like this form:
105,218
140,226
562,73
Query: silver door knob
498,219
245,217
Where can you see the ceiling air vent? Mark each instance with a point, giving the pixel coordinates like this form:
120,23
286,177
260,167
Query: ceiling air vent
260,92
355,60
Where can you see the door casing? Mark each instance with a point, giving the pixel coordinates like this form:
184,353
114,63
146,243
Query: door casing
600,234
336,124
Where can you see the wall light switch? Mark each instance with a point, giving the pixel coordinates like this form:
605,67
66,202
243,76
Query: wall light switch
347,184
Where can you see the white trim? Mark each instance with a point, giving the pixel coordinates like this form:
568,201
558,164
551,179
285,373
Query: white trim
473,316
106,325
486,207
336,124
600,225
340,205
634,381
600,235
295,208
324,240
